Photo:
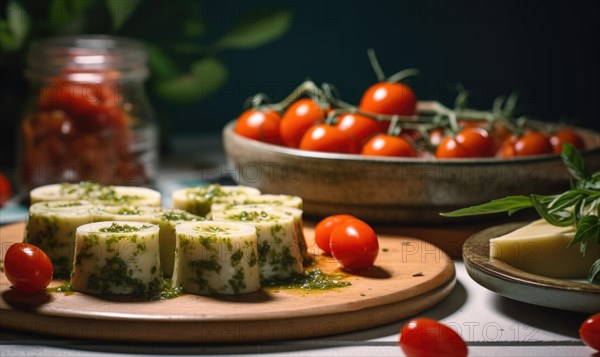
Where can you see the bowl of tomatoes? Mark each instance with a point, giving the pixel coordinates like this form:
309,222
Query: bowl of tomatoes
394,158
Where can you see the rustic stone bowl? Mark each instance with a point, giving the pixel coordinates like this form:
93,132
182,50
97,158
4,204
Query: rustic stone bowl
394,190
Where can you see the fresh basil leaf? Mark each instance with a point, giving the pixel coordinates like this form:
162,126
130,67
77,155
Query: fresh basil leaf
560,220
18,22
588,228
258,29
205,77
160,64
564,200
508,204
594,276
573,161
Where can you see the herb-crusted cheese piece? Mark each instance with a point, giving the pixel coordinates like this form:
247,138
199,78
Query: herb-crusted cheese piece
541,248
117,258
198,200
216,258
51,226
264,199
278,253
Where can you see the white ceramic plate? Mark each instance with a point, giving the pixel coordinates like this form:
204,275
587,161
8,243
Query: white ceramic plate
516,284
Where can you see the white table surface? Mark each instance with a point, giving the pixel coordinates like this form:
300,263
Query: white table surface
491,324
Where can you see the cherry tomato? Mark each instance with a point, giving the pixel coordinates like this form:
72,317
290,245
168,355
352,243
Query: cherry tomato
27,268
259,125
468,143
423,337
5,189
326,138
389,98
387,145
354,244
359,127
589,331
436,136
323,230
297,119
531,143
563,136
92,106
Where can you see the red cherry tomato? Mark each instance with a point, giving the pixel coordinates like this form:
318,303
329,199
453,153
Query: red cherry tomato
468,143
389,98
436,136
27,268
259,125
423,337
359,128
563,136
297,119
326,138
387,145
589,331
323,230
92,106
531,143
5,189
354,244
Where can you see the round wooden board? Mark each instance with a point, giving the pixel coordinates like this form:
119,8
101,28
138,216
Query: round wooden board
410,276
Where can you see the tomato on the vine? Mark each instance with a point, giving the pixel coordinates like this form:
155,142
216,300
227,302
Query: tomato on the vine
558,139
326,138
5,189
589,331
354,244
389,98
27,268
259,125
423,337
468,143
531,143
297,119
387,145
324,228
359,128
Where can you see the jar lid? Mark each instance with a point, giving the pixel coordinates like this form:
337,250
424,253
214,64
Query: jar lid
89,58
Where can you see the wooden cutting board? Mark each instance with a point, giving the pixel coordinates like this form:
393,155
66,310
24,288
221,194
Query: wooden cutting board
409,276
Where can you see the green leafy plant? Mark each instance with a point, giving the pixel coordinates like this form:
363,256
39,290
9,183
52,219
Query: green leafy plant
184,61
578,207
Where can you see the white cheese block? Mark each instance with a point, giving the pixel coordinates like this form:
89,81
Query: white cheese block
296,213
51,226
166,219
198,200
216,258
278,252
117,258
541,248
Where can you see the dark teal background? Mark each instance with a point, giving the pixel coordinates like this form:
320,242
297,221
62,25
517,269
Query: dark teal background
547,50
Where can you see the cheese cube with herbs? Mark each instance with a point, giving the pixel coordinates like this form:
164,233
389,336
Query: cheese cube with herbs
117,258
278,252
165,218
216,258
51,226
541,248
96,193
198,200
264,199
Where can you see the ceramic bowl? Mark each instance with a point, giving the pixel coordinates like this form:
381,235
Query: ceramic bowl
395,190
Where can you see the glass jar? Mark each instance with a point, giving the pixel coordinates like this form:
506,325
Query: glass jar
87,117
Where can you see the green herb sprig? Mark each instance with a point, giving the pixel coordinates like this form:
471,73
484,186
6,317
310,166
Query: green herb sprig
578,207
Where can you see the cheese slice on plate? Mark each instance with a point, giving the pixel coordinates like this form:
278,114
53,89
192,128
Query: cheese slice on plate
541,248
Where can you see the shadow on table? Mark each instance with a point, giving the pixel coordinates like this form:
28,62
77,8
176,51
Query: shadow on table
449,305
557,321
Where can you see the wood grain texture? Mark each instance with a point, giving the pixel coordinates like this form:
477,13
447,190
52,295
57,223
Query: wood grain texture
410,276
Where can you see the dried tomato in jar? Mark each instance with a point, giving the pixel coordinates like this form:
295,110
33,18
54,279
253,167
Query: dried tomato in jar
88,117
